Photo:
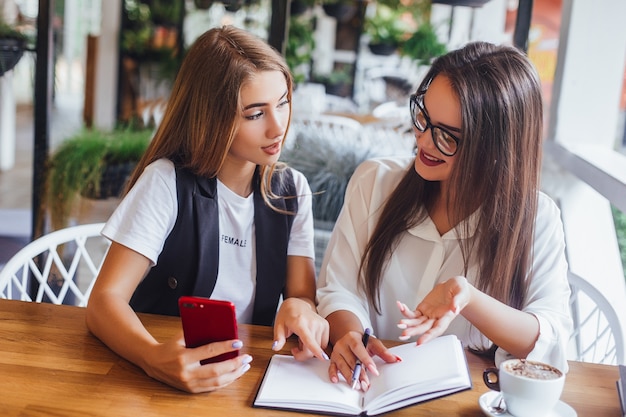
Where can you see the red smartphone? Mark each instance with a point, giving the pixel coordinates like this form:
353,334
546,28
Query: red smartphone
206,321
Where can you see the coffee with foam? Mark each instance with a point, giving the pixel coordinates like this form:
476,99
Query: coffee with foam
534,370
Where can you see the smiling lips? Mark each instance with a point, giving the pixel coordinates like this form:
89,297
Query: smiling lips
429,160
272,149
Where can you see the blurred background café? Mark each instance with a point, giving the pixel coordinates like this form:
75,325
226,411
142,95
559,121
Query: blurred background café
102,70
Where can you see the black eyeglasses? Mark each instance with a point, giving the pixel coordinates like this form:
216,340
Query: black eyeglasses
445,141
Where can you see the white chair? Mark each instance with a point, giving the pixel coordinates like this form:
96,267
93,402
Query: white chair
337,104
332,128
60,267
597,335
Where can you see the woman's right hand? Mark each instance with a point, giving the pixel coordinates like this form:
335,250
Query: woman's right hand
174,364
348,349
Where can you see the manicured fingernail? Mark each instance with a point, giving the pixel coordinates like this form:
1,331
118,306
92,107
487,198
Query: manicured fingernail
247,359
402,326
364,386
325,356
402,337
372,369
275,345
237,344
334,379
398,358
245,368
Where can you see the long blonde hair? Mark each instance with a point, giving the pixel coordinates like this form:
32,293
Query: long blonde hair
200,121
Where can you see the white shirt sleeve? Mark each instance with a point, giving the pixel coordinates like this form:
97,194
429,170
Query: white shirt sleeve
147,214
338,287
301,241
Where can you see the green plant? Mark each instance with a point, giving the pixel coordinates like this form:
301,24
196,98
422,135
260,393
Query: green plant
386,26
79,163
10,32
299,48
340,75
138,33
328,165
416,7
619,218
166,11
423,45
338,82
150,35
14,41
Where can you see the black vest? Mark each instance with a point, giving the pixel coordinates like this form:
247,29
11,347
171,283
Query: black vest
189,261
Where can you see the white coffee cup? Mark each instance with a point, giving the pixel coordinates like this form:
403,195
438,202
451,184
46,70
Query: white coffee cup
529,388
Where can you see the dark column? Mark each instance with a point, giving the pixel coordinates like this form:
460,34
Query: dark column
522,24
278,24
42,104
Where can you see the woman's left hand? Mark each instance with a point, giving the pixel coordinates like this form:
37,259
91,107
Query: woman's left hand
299,317
434,314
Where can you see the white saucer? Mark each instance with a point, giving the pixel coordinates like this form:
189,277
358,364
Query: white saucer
492,398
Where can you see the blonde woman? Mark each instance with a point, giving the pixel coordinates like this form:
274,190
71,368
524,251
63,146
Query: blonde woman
211,212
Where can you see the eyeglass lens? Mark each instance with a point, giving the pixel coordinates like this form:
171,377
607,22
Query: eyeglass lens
443,140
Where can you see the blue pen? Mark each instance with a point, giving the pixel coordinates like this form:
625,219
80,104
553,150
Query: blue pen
357,368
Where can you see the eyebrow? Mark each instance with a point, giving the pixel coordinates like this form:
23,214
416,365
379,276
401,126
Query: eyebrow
250,106
452,128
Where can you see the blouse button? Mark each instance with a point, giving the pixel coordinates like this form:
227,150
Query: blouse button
172,282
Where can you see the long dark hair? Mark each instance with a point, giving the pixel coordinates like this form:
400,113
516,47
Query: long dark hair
496,170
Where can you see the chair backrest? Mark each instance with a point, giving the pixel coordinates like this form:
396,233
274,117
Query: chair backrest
325,126
60,267
597,335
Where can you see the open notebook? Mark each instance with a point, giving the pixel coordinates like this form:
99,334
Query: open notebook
428,371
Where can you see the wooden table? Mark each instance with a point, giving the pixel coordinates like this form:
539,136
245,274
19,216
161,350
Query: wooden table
50,365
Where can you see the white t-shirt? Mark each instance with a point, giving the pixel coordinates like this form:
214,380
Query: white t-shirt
424,258
147,214
237,251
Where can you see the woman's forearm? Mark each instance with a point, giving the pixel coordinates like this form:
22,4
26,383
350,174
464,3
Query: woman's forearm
513,330
117,326
109,316
342,322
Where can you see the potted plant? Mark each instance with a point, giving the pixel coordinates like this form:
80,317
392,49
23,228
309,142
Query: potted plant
166,12
328,165
466,3
93,164
342,10
12,46
299,48
386,29
202,4
338,81
423,45
299,7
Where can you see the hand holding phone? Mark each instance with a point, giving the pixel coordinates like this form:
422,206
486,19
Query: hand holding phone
206,321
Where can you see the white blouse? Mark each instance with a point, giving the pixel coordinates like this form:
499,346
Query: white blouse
424,258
